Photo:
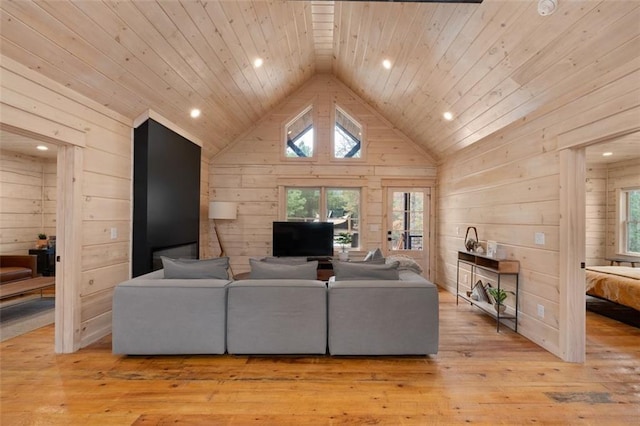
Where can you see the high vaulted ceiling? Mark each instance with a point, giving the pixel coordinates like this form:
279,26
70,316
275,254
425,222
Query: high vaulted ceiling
489,64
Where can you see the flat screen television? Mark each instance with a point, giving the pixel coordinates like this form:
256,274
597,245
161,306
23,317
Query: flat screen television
302,239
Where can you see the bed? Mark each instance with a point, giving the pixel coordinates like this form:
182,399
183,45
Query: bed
619,284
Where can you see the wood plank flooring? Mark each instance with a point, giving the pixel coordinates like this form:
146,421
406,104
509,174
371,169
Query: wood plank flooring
479,376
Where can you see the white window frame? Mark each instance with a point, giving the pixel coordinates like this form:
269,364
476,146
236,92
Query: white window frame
623,214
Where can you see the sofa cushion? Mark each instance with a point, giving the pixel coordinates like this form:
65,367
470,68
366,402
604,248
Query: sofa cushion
277,317
196,269
286,260
378,317
264,270
365,271
14,273
169,316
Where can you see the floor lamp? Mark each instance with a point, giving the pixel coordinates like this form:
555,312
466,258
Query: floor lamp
222,210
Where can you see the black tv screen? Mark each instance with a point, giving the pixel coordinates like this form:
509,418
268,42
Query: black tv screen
302,239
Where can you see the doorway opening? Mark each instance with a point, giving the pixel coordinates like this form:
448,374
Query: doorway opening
28,205
612,231
572,147
408,224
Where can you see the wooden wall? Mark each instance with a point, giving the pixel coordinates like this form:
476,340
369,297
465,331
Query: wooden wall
508,186
596,214
205,225
625,174
252,169
27,201
46,109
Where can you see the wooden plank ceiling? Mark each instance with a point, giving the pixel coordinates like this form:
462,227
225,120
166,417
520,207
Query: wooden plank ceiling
489,64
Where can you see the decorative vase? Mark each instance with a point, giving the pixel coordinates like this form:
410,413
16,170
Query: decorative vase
499,308
42,243
343,256
471,243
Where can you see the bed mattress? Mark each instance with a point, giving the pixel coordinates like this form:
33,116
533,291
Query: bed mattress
619,284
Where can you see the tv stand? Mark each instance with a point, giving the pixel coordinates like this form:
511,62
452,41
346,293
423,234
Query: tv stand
319,258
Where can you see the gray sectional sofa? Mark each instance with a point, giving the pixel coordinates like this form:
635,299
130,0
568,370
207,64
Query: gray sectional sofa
156,315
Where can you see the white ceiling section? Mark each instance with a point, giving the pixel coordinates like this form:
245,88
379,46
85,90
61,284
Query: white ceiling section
490,64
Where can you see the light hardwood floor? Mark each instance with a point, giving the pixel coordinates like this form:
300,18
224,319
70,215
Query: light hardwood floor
479,376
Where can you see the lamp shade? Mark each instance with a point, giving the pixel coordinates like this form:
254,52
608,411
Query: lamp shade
223,210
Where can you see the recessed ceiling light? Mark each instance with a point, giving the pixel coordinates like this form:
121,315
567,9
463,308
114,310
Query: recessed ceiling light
42,148
258,62
607,154
547,7
387,64
195,113
448,116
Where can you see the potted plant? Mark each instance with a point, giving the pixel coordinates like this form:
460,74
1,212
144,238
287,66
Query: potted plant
499,295
42,241
343,239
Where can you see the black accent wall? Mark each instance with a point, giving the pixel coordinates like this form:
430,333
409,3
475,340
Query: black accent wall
166,192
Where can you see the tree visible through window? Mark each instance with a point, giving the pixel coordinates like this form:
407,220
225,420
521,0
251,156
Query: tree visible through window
303,204
341,206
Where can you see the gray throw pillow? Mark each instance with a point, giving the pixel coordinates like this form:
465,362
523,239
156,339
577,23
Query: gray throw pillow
374,255
286,260
276,271
196,269
344,271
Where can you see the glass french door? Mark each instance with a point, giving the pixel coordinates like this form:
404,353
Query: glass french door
408,224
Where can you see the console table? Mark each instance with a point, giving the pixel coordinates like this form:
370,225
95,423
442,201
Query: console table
498,267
